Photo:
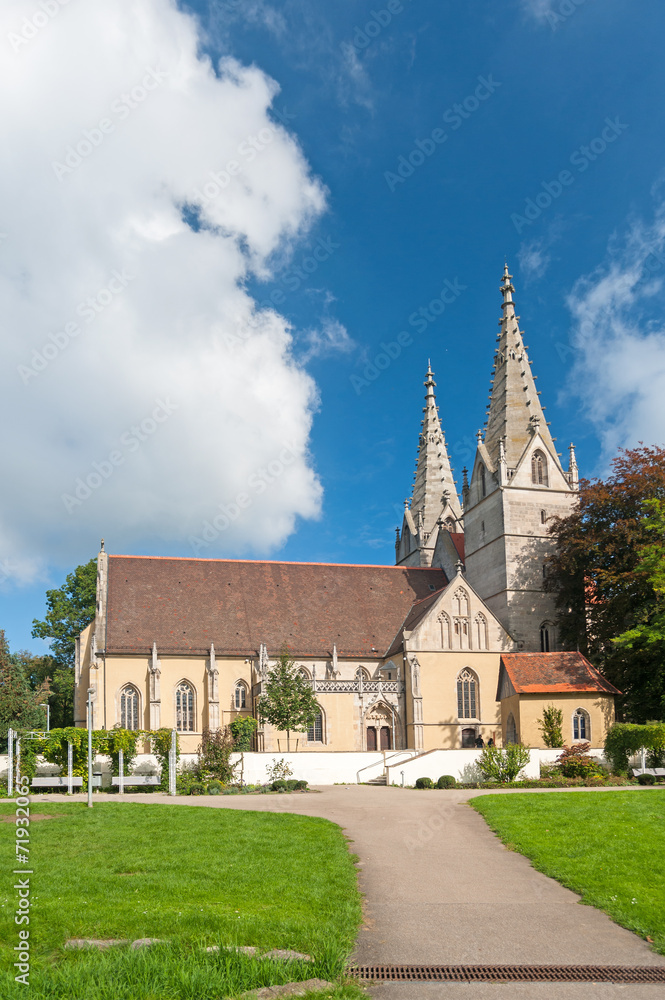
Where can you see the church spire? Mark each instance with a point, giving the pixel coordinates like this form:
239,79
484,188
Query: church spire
434,491
515,412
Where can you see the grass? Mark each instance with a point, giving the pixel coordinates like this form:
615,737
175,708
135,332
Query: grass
193,876
607,847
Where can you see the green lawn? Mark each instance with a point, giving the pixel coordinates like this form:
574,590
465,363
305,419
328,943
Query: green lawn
193,876
609,847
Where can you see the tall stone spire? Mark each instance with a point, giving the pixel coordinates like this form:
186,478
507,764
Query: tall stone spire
434,503
434,486
515,412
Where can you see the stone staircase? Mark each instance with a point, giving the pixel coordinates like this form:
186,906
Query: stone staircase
381,780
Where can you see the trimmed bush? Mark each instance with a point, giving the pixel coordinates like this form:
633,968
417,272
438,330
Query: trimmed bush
197,788
446,781
215,788
291,784
646,779
300,786
279,786
424,783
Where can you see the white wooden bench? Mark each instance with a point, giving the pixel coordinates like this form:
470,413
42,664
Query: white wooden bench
137,779
56,781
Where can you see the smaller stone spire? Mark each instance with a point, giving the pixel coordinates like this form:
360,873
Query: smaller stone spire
434,475
573,472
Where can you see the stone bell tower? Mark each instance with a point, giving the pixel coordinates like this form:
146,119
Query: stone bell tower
517,483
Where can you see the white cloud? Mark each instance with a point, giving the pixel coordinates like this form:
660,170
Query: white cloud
330,338
116,125
533,259
619,339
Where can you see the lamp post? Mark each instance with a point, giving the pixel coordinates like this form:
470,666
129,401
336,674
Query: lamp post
91,691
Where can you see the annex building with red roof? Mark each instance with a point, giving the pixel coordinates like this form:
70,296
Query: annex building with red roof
455,642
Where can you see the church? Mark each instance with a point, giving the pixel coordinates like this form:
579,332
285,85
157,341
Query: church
455,642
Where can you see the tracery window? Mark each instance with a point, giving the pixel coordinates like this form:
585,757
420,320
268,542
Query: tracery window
184,708
129,707
444,624
467,695
538,469
240,696
481,632
581,725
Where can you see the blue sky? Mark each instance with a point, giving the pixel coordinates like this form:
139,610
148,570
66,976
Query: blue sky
525,130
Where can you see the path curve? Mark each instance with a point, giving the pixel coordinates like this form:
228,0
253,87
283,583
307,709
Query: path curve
441,889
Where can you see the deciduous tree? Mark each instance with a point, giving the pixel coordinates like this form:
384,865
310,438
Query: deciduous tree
605,589
70,608
288,702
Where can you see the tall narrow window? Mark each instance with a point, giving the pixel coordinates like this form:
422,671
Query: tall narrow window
129,707
481,632
315,731
240,697
184,708
483,484
511,729
538,469
581,727
467,695
545,637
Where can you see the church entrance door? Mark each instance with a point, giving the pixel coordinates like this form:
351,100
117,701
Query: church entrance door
371,738
468,738
385,737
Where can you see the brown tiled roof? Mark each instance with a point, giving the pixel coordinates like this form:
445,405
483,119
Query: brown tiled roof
185,604
415,615
540,673
457,538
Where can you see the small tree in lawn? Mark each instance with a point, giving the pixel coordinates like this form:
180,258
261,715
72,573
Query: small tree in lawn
551,726
19,707
288,703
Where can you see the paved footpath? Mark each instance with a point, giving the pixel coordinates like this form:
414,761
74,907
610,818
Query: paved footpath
441,889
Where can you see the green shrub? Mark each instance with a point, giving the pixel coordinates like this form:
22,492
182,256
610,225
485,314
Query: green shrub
214,752
625,739
496,764
646,779
551,725
242,729
424,783
446,781
291,784
279,786
300,786
197,788
215,788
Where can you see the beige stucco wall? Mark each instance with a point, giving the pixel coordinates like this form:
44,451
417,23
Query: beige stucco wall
527,709
438,680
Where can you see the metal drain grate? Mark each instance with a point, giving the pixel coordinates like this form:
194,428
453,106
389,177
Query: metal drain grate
513,973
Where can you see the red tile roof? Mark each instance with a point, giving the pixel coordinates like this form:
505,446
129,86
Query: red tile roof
541,673
185,604
457,538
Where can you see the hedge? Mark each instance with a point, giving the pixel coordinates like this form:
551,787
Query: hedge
625,739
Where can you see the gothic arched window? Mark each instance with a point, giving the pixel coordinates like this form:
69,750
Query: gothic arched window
511,729
462,602
304,673
481,632
362,675
129,707
444,624
581,725
185,708
546,637
538,469
240,696
315,731
467,695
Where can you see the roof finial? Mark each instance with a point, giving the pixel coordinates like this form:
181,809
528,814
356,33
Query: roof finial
429,383
101,545
507,287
